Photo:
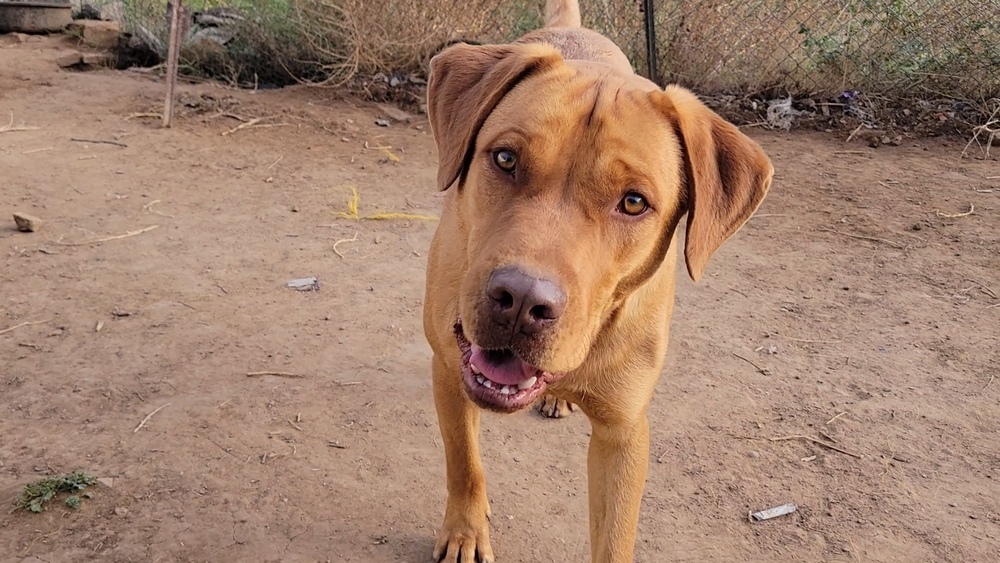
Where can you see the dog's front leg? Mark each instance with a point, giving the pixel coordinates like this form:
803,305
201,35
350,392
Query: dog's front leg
465,535
617,463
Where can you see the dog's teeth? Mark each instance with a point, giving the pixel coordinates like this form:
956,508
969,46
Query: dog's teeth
480,379
527,383
487,383
475,370
506,390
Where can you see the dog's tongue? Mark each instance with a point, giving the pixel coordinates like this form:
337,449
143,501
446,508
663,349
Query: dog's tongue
511,371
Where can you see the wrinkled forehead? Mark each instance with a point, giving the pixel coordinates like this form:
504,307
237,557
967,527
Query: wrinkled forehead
580,112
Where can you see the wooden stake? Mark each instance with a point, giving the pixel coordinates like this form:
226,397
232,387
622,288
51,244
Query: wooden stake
173,48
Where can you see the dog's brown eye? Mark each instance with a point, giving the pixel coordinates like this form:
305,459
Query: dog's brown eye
633,204
505,160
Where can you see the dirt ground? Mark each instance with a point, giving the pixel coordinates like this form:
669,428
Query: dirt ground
852,309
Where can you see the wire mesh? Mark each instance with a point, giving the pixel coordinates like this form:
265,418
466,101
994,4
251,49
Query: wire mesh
906,48
947,48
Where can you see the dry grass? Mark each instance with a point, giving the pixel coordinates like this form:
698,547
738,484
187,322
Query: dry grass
350,37
804,47
922,48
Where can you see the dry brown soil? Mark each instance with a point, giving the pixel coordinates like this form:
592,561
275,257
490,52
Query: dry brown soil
851,310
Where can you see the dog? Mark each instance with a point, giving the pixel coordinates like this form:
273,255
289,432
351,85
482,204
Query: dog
551,273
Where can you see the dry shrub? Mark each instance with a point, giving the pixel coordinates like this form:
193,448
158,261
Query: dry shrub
350,37
749,48
808,47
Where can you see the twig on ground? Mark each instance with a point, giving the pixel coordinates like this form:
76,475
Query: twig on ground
149,416
33,151
990,382
106,239
763,371
255,122
337,252
807,340
818,442
243,125
984,288
10,127
385,149
99,142
836,417
863,237
295,426
149,207
270,166
237,117
17,326
853,133
275,374
222,448
972,209
143,115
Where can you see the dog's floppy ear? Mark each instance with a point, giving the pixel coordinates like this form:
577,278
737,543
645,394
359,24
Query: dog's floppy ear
726,172
466,83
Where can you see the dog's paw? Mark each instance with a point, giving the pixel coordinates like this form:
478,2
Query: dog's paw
552,407
465,539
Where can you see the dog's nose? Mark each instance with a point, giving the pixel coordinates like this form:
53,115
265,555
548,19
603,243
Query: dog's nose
525,303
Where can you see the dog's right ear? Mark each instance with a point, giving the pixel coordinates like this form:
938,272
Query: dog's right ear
466,83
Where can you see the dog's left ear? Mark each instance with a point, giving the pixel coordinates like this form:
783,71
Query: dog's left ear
726,172
466,83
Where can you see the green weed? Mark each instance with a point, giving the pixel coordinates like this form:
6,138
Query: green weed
37,494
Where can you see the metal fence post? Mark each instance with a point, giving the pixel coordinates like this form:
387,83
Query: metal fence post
647,8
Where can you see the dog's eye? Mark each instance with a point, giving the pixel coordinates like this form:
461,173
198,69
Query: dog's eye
505,160
633,204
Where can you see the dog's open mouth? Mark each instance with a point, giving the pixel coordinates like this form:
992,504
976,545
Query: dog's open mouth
498,379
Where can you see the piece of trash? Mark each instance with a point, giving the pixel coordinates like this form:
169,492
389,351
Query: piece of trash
781,114
773,512
304,284
383,122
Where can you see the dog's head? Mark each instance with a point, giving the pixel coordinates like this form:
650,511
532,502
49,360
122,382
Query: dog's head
571,181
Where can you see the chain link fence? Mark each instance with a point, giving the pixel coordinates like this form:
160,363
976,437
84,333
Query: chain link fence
765,49
947,48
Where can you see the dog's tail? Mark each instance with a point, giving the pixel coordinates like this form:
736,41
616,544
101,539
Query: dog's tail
562,13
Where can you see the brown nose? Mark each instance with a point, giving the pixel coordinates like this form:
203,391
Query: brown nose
524,303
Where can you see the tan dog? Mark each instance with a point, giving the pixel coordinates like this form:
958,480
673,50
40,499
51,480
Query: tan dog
552,270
